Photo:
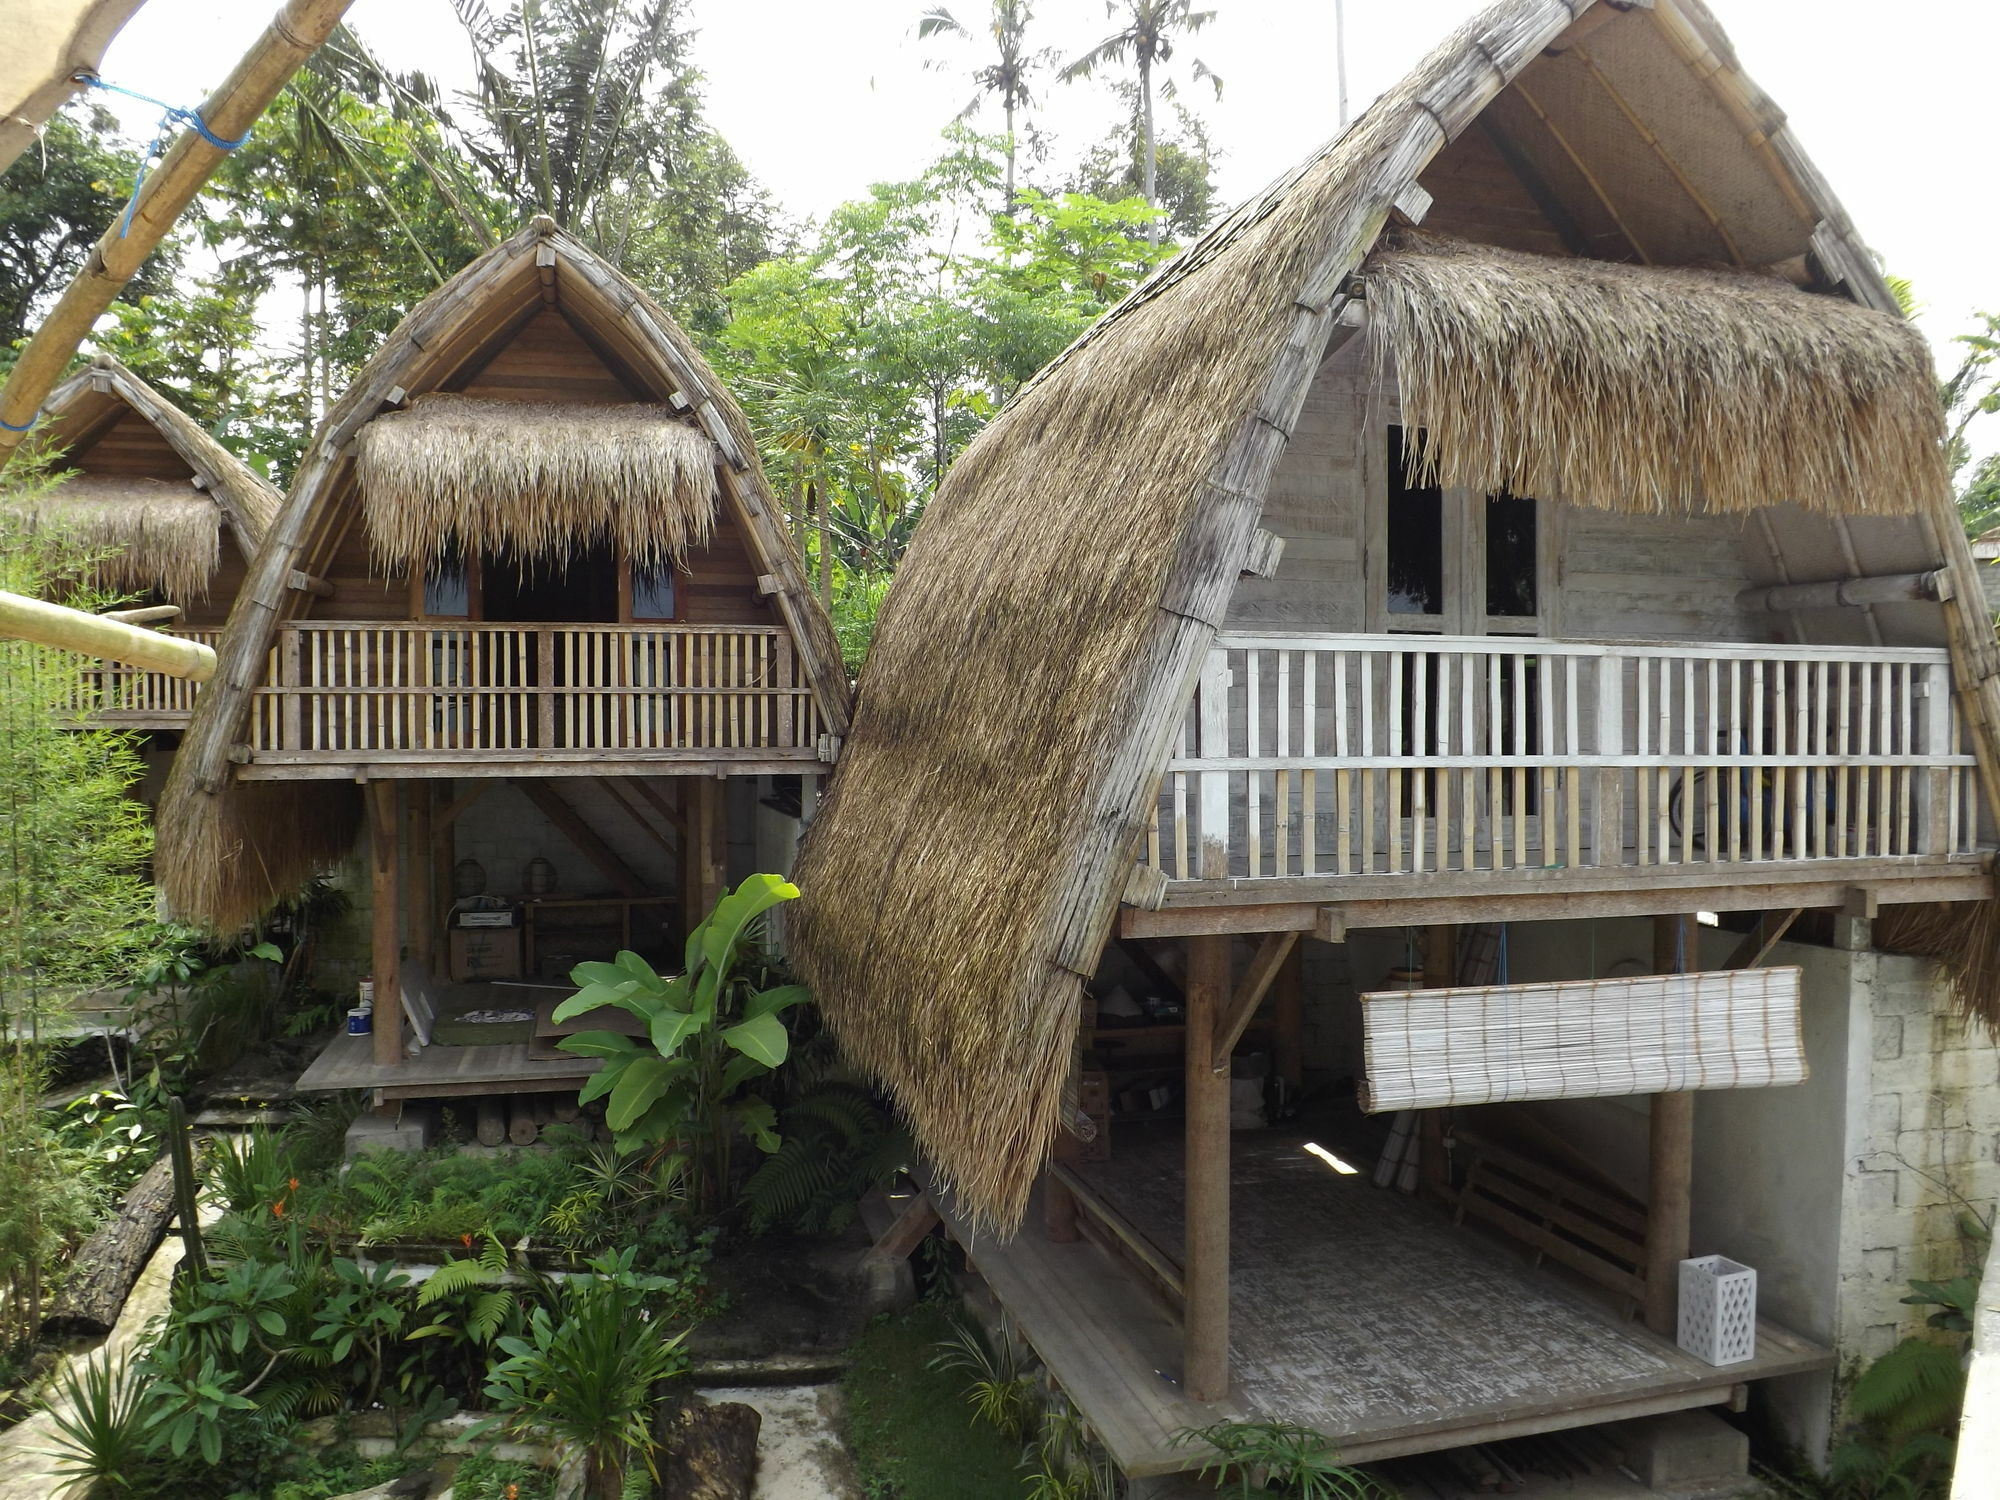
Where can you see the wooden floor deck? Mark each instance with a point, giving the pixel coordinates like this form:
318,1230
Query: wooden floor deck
1355,1311
440,1072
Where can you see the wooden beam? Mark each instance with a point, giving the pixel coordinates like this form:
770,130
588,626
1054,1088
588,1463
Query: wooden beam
1669,1156
1577,161
385,915
1758,943
152,614
586,839
1270,957
1205,1271
918,1218
1536,186
658,803
1849,593
708,847
1142,956
305,583
1523,896
613,789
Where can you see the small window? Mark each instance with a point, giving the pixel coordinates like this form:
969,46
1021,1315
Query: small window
1415,535
652,591
448,588
1510,556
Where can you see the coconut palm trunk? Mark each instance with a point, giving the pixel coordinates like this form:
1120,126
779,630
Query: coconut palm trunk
1146,145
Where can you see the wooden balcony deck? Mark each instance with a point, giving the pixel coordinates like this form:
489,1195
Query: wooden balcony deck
1331,768
342,699
1356,1311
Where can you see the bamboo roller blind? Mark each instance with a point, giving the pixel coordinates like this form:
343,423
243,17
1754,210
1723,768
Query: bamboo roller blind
1574,1039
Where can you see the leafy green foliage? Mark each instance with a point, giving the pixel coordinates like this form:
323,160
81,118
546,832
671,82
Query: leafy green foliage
55,200
99,1417
838,1144
1300,1462
1001,1392
905,1423
586,1370
711,1032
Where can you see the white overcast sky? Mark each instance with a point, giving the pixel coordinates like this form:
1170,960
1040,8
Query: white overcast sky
823,97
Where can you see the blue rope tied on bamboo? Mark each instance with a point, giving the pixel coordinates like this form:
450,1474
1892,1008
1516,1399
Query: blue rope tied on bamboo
172,117
12,428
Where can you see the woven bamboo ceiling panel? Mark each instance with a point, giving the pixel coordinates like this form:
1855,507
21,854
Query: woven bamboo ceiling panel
1576,1039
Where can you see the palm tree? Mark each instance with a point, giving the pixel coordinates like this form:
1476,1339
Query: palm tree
1007,79
1146,40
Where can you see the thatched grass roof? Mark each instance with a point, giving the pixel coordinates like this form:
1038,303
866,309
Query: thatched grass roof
537,477
170,530
146,533
1653,388
1041,641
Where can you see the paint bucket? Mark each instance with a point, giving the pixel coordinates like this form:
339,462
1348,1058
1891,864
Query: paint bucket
360,1022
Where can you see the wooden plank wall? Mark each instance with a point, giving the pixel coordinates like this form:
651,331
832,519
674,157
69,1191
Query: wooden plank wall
1616,575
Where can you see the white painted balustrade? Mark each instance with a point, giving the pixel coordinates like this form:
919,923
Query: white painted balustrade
340,687
1326,755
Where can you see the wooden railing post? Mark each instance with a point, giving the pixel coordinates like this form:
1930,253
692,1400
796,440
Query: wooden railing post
1934,834
1670,1154
1212,739
545,679
291,684
1607,834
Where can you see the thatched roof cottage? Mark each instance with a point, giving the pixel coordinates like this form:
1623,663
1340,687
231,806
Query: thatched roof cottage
531,599
178,515
1520,530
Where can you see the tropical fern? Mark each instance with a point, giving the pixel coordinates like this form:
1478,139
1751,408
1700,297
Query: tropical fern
838,1143
1918,1386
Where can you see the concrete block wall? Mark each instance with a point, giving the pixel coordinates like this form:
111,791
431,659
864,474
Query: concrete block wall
1923,1132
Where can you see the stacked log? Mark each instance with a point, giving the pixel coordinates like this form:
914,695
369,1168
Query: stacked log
105,1268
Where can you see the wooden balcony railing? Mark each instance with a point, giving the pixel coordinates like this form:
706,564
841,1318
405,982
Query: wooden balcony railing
1333,755
341,691
120,695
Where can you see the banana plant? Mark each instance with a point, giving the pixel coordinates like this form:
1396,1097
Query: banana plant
710,1033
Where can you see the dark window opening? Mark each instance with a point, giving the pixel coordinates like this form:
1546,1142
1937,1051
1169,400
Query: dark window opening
652,591
1416,537
448,587
581,588
1510,556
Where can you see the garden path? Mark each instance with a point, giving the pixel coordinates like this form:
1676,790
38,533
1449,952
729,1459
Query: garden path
799,1452
27,1471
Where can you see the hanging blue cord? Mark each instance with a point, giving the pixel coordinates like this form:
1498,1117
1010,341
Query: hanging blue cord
1501,975
172,115
12,428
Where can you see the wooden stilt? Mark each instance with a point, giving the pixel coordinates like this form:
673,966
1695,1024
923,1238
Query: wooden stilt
1670,1163
1205,1311
1058,1211
383,803
417,892
444,854
710,845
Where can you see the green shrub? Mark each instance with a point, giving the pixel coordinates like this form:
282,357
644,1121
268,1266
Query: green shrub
908,1425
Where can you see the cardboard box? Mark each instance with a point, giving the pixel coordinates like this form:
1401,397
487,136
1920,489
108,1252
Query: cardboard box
485,953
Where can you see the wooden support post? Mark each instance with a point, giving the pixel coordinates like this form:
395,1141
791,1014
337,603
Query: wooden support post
1205,1314
417,890
444,848
383,803
710,846
1288,1044
1058,1210
1670,1157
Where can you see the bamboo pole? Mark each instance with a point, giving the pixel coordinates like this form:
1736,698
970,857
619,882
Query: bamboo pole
1205,1283
97,635
1670,1158
293,35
